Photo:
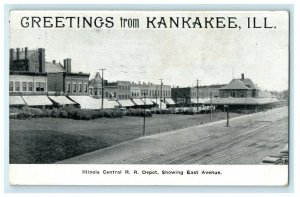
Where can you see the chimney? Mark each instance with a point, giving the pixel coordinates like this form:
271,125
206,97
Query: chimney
41,60
65,64
54,62
26,52
18,53
11,56
69,65
243,76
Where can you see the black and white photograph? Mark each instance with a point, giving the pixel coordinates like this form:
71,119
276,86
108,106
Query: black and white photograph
189,92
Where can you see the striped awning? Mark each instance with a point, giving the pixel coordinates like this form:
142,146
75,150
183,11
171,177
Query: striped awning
37,100
126,103
62,100
87,102
138,102
147,101
200,100
16,100
169,101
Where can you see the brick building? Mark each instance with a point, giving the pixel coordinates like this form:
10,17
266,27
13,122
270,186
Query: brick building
239,88
30,73
27,72
188,95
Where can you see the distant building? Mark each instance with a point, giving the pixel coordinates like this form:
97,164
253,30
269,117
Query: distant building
239,88
112,90
188,95
123,90
150,90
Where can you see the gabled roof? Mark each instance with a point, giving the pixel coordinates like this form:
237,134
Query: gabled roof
249,83
51,67
235,84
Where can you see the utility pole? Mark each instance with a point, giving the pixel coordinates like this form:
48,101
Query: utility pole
227,108
144,125
156,94
210,105
102,91
161,84
197,95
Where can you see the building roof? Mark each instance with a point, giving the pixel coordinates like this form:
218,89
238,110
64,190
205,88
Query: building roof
51,67
262,94
242,101
37,100
249,83
16,100
235,84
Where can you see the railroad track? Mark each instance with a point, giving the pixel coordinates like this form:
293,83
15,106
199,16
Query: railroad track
204,152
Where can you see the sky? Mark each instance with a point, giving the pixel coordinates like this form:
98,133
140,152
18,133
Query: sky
178,56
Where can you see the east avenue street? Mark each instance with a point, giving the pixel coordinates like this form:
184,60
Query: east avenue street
248,140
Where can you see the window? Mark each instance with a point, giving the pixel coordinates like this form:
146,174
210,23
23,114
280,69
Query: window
74,87
95,92
24,86
68,88
11,86
115,94
85,88
37,86
80,88
106,94
119,96
17,84
30,86
42,87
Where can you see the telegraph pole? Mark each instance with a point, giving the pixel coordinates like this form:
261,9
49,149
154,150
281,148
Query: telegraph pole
197,95
156,94
161,84
144,125
102,91
210,105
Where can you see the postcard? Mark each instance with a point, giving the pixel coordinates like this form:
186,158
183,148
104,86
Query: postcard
148,97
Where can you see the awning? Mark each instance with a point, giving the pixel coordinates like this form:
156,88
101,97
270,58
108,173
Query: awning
154,100
160,104
242,101
138,102
169,101
37,100
147,101
126,103
200,100
62,100
16,100
87,102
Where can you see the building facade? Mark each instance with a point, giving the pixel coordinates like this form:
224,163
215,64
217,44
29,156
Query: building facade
185,95
122,90
27,83
30,73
